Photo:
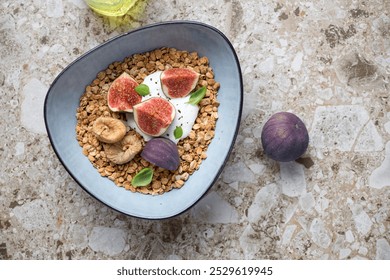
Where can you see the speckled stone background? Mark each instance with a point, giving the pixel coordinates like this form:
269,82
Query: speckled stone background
326,61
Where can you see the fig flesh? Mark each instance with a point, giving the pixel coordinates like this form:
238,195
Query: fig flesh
122,95
178,82
284,137
162,152
154,116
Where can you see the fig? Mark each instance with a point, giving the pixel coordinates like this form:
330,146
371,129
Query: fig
178,82
284,137
162,152
125,150
109,130
154,115
121,95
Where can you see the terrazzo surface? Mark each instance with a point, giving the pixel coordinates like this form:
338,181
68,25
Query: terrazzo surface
326,61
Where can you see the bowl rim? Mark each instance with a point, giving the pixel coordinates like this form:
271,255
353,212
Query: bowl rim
145,27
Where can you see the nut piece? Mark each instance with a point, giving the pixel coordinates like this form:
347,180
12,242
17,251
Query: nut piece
124,150
109,130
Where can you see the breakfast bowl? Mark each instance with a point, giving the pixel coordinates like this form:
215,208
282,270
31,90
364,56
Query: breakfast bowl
63,100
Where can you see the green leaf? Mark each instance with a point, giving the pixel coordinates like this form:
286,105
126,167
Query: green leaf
143,178
178,132
142,89
197,96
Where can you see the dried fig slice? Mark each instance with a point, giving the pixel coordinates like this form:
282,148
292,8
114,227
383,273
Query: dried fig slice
109,130
121,95
154,115
124,150
178,82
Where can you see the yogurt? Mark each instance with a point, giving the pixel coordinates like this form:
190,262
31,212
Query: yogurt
185,116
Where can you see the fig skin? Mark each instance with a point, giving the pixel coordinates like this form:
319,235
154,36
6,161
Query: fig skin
284,137
125,150
162,152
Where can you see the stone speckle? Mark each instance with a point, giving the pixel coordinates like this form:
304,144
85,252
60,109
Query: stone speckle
287,234
238,172
336,35
319,233
380,177
338,127
382,249
110,241
363,222
55,8
34,215
34,93
265,199
297,62
292,179
213,209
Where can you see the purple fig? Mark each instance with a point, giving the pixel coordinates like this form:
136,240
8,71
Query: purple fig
162,152
121,95
154,115
178,82
284,137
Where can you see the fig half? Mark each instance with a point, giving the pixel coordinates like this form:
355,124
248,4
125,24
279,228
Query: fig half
178,82
162,152
154,116
122,95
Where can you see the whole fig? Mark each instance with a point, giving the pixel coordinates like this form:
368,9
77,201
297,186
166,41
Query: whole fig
284,137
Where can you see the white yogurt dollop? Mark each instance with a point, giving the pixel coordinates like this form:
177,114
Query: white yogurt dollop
185,113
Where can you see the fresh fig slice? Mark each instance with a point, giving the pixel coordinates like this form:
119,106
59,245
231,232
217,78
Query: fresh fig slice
154,115
178,82
122,95
162,152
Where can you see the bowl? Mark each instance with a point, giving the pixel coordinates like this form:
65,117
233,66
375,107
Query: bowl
62,101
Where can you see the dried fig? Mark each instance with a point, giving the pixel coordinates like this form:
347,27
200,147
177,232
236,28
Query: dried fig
124,150
109,130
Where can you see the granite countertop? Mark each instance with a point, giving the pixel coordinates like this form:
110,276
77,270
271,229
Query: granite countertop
326,61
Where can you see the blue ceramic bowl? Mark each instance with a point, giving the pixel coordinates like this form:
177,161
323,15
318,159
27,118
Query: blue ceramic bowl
63,97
